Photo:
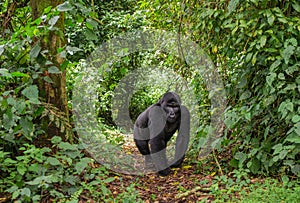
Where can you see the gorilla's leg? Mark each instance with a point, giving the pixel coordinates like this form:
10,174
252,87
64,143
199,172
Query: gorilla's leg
158,154
143,147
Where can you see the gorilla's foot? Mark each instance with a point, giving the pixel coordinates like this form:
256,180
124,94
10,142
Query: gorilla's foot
164,172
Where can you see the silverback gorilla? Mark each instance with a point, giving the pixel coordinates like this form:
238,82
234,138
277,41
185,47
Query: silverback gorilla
155,127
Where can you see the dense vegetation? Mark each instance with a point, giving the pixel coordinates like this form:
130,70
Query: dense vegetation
254,46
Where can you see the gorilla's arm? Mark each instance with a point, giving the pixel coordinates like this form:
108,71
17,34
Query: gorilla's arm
183,137
157,122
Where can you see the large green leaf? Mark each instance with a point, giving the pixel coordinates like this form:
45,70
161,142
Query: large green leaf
35,50
66,6
82,164
27,126
32,94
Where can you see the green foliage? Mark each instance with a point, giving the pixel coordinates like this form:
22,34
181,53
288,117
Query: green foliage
61,173
142,99
255,44
272,191
88,25
240,188
32,167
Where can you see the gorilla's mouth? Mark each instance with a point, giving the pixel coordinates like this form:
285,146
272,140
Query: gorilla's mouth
172,116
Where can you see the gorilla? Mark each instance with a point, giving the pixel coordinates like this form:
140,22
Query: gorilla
155,127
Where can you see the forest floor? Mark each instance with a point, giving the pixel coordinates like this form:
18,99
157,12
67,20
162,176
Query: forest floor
196,181
181,185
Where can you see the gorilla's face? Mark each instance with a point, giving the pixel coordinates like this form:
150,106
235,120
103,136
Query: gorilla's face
171,106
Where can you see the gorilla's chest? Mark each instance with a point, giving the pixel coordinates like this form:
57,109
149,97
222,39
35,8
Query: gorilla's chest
171,128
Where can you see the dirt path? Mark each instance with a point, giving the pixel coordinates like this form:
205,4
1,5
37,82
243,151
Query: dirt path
182,185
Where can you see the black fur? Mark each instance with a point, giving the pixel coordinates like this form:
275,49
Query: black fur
155,127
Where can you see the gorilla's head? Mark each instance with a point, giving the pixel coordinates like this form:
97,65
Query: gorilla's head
170,102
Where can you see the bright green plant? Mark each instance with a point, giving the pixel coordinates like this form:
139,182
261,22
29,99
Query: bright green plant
271,191
232,189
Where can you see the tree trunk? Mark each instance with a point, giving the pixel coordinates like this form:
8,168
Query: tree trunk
56,121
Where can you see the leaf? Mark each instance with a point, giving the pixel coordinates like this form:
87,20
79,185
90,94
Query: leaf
296,119
232,5
82,164
90,35
292,41
291,69
10,161
34,52
255,166
53,161
287,53
281,76
290,106
108,180
41,180
245,95
32,94
296,6
284,106
271,19
66,6
277,148
187,167
253,61
270,78
72,50
249,57
263,40
1,49
283,154
297,129
27,126
67,146
293,137
47,10
4,72
19,74
53,21
33,167
21,168
53,69
25,192
275,65
48,79
241,157
56,140
90,23
15,194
